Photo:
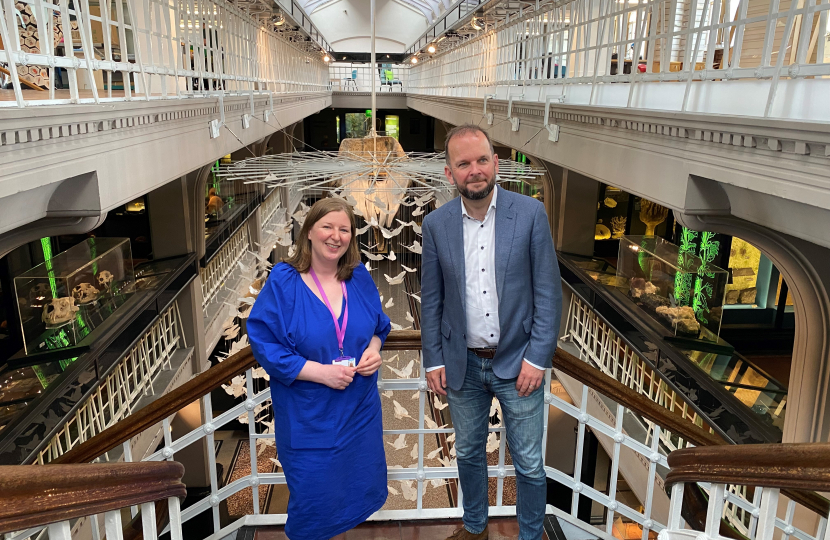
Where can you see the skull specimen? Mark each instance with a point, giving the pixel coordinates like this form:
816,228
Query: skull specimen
104,278
39,294
59,310
84,293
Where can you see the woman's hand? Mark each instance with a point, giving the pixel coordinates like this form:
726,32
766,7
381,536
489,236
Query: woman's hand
337,376
370,360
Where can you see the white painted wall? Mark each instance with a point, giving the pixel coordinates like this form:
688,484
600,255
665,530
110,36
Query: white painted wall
346,25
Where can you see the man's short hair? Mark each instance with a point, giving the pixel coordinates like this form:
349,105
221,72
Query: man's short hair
465,129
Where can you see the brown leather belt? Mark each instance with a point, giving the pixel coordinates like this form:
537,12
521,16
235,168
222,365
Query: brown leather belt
486,352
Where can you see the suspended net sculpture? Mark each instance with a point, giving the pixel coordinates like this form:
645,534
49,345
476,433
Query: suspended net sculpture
372,164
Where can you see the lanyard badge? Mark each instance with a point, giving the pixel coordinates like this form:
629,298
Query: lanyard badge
339,331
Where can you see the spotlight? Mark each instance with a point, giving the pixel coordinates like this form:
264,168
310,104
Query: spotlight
431,49
414,60
326,58
278,19
477,23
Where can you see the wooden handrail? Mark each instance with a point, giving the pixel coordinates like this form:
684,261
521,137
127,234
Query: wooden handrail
189,392
790,467
632,400
565,362
34,496
160,409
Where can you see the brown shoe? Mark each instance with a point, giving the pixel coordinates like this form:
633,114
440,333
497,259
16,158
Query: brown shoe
464,534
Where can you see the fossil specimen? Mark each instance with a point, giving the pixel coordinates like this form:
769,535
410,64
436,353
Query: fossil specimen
59,310
39,295
652,214
602,232
618,226
84,293
104,278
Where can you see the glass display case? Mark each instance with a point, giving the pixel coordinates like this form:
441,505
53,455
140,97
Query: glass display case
675,286
63,299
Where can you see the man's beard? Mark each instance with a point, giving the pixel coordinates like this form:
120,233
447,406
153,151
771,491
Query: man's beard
477,195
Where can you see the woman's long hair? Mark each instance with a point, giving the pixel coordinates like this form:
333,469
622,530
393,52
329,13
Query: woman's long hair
301,260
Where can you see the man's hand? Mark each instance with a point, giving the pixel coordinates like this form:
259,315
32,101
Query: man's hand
437,380
370,361
529,379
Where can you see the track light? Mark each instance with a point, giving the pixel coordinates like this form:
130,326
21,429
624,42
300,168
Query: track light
431,49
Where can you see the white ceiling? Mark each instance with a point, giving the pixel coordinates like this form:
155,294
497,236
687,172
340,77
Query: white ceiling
347,27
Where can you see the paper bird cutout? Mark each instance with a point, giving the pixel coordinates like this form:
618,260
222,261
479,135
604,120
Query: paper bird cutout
400,411
405,372
399,443
397,280
372,256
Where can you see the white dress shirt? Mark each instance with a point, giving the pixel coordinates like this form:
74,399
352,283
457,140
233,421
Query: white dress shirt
481,297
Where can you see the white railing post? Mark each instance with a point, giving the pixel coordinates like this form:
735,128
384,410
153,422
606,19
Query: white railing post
766,519
148,521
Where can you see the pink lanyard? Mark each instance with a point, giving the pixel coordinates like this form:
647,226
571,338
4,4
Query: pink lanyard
341,332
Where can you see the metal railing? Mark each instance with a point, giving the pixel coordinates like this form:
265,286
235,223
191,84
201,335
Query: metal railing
119,392
223,264
573,50
351,78
146,49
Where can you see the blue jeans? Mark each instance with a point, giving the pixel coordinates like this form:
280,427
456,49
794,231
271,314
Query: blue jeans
524,420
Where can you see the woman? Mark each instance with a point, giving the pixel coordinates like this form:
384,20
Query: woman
327,415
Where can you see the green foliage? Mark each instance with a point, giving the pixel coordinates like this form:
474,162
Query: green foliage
703,291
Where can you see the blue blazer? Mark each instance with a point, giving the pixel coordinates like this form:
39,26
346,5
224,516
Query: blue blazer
527,283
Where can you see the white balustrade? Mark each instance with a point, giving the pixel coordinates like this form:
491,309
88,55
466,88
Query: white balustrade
214,274
600,344
344,77
118,393
147,49
570,51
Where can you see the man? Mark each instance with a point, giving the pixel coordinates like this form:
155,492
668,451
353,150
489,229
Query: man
490,309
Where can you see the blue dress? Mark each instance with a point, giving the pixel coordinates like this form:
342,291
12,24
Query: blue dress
329,442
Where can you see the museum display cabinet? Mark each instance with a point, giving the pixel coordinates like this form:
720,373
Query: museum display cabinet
37,390
733,392
65,298
676,287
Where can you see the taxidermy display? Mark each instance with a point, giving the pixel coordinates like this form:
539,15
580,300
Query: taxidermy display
215,202
59,311
84,293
